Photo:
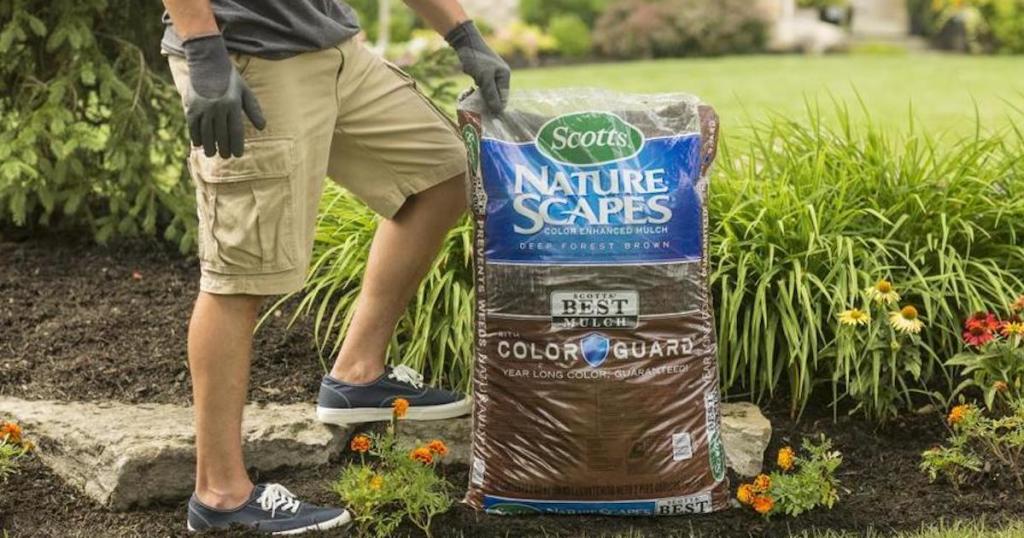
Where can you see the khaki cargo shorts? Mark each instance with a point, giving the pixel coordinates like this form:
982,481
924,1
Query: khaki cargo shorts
342,113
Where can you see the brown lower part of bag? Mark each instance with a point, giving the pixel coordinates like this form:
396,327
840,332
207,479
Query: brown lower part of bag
549,426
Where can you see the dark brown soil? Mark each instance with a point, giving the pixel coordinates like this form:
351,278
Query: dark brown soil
81,322
75,324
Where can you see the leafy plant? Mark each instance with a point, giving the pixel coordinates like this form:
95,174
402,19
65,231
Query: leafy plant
988,25
801,483
979,444
571,35
391,483
542,12
658,28
525,42
879,352
90,134
13,446
995,362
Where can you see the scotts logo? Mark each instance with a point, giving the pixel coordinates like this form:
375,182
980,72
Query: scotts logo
585,138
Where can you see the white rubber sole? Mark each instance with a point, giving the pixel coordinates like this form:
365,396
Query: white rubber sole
344,519
341,417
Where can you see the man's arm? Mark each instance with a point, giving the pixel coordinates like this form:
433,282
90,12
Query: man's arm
441,15
218,96
192,18
486,68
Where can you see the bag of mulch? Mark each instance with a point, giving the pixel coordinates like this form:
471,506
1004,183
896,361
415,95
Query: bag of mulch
596,381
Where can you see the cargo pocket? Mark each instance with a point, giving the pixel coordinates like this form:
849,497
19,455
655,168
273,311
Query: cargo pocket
246,208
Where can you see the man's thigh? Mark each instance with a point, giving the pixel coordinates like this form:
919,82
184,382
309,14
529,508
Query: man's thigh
390,141
257,212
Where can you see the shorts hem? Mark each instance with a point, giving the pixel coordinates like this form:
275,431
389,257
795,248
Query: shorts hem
252,284
437,175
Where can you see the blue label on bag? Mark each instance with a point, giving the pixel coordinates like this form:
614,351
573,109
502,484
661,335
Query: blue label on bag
636,202
692,504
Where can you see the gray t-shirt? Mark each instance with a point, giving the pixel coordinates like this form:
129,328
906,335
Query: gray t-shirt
275,29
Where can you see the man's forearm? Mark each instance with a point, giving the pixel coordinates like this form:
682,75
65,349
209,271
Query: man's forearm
441,15
192,18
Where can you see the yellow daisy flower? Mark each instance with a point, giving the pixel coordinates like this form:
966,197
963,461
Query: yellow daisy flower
1013,329
854,317
906,321
884,293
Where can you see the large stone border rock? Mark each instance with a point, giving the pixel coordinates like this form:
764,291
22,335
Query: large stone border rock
126,455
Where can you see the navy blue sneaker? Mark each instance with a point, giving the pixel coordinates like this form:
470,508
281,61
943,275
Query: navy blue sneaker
344,403
271,509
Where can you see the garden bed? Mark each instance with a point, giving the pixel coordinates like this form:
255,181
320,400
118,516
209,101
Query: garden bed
80,322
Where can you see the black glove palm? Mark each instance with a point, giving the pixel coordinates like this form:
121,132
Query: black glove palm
217,98
487,69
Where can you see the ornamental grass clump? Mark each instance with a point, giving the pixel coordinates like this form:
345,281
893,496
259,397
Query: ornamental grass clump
807,213
980,445
13,446
993,363
390,483
879,354
801,483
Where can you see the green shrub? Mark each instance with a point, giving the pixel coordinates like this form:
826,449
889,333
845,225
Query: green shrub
403,21
658,28
571,34
988,25
542,12
91,135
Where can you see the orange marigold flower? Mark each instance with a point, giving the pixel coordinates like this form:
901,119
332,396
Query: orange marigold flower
786,458
10,431
763,504
377,482
1018,305
360,443
762,483
958,413
745,494
400,407
438,447
422,455
1000,386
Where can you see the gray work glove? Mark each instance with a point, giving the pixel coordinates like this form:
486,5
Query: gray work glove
216,99
486,68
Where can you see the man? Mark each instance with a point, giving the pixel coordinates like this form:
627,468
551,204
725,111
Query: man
279,96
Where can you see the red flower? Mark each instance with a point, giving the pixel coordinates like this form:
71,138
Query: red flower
977,336
984,320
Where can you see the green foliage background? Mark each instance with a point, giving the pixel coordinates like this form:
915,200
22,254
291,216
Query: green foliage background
89,134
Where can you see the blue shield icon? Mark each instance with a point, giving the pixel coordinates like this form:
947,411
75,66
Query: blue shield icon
595,349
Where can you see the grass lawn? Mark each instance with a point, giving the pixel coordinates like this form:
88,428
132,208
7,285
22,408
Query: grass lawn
942,88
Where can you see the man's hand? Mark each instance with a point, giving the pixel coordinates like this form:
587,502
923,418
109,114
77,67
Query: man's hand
488,70
216,99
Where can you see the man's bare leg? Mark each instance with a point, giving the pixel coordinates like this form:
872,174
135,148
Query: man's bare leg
403,250
219,354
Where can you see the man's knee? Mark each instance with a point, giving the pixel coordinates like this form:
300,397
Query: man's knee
447,198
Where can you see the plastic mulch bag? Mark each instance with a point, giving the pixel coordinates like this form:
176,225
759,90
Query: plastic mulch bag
596,381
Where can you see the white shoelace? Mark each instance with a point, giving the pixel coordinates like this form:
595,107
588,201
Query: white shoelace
276,497
404,374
